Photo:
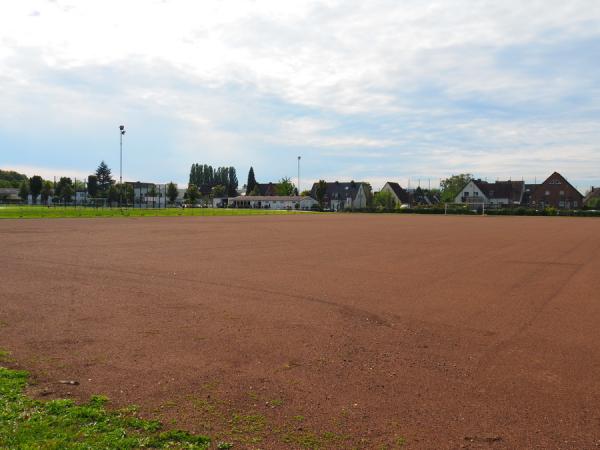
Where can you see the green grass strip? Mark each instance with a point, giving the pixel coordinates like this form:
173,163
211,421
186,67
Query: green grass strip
42,212
61,424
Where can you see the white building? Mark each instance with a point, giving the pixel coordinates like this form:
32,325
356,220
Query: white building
342,195
500,193
272,202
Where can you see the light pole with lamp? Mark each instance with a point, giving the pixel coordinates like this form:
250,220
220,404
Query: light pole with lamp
299,175
122,132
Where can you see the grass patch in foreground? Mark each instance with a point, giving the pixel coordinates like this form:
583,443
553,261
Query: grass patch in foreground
43,212
60,424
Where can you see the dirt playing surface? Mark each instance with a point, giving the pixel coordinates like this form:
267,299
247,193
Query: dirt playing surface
334,330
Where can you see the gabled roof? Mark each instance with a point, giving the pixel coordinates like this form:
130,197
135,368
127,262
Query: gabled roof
500,189
267,189
421,196
270,198
339,191
594,193
401,194
554,176
506,189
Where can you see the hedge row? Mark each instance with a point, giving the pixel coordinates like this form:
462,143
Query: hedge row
491,212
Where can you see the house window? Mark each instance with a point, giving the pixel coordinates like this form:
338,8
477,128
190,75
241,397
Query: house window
475,193
547,193
575,204
561,204
466,194
562,192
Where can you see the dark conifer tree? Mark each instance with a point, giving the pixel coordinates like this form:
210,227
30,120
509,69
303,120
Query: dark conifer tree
251,181
104,176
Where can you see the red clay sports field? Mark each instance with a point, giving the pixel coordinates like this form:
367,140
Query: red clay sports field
330,330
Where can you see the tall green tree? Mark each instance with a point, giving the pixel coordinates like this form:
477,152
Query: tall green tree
251,183
218,191
79,186
205,175
384,200
594,203
104,177
192,193
232,182
320,192
35,187
451,186
285,187
92,186
11,179
24,190
172,192
64,189
113,194
47,191
66,193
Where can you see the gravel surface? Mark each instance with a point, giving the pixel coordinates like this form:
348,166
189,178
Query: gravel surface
331,330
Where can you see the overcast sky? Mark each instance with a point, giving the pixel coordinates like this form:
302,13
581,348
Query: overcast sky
366,90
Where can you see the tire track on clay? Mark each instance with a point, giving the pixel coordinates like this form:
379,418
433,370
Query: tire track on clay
485,364
348,310
409,322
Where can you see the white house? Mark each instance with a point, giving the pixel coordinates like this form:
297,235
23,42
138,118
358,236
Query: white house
272,202
500,193
352,195
401,196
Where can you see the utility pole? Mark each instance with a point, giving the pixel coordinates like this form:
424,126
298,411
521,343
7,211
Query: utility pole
121,133
299,175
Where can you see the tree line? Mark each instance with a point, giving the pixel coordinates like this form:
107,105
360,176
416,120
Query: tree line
100,185
204,180
205,176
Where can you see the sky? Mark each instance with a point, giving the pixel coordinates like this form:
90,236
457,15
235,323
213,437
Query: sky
385,90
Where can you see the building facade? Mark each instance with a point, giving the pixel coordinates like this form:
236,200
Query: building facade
500,193
592,198
400,195
342,195
271,202
556,192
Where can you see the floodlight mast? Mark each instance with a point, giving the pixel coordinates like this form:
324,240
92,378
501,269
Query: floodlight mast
121,133
299,175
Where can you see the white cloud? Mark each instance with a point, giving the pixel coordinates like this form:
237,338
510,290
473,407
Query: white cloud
48,173
233,77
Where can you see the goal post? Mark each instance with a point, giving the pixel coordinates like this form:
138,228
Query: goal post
479,207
